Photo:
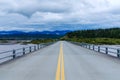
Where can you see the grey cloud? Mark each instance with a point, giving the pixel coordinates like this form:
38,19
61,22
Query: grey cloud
38,6
46,12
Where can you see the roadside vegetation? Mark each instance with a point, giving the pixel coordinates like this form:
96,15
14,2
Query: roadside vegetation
99,36
3,41
38,41
109,41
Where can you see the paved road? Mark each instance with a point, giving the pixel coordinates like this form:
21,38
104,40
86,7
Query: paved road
62,61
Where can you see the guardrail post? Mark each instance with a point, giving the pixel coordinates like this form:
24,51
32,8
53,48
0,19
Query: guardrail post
118,53
89,46
34,48
23,51
98,48
14,55
42,46
30,49
86,46
83,45
93,47
106,50
38,46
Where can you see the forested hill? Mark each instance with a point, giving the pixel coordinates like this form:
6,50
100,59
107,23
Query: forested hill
32,35
99,33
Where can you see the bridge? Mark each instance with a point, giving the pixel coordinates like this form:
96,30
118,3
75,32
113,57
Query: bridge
62,61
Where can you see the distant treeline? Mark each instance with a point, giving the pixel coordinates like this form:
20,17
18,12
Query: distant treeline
98,33
28,36
43,41
98,36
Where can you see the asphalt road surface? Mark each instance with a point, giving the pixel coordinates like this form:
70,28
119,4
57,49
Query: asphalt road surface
62,61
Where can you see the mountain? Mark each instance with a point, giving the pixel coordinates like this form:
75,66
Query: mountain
11,32
32,35
35,32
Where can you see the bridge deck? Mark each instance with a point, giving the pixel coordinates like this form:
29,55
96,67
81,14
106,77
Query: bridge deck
79,64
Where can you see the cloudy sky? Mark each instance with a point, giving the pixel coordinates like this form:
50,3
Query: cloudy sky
42,15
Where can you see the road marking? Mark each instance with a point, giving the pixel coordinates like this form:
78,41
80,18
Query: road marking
60,73
62,70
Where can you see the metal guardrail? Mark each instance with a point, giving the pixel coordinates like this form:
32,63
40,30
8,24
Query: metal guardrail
15,53
99,48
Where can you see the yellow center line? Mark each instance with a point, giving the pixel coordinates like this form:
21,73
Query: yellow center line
60,74
62,70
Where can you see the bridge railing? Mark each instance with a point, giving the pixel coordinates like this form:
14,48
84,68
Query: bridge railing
15,53
100,48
